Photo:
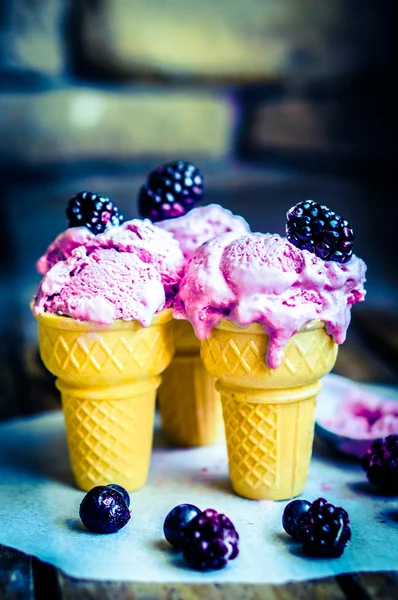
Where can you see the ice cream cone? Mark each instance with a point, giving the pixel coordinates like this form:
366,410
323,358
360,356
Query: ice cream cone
189,405
268,413
108,377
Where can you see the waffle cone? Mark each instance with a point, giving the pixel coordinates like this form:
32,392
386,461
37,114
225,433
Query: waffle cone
108,378
268,413
189,405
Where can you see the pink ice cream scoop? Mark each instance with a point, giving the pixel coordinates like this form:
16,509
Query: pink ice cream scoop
202,224
150,243
100,286
264,278
63,246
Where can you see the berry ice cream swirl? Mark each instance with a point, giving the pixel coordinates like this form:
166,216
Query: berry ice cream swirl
263,278
100,287
201,224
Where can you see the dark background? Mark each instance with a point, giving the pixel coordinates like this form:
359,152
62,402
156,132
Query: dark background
276,101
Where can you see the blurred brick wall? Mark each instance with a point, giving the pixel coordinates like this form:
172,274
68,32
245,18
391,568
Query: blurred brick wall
119,80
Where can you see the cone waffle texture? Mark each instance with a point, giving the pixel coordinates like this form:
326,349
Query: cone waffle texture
189,405
268,413
108,378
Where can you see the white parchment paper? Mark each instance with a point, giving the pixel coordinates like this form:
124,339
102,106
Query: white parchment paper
39,513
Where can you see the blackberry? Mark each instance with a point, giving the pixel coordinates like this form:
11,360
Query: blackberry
318,229
292,515
209,541
104,510
176,519
93,211
380,463
171,190
324,529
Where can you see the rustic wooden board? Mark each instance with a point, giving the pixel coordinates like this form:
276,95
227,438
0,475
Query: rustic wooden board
85,590
16,581
378,586
379,330
358,360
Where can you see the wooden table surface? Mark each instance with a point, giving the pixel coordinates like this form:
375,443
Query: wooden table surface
370,354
